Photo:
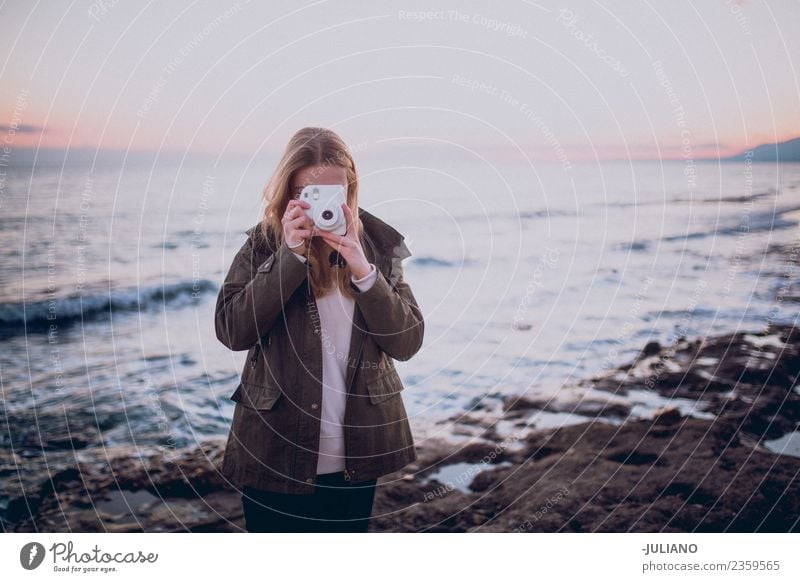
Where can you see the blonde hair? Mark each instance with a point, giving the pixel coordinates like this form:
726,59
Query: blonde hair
312,146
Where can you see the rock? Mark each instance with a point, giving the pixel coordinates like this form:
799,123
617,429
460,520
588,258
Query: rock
698,480
590,407
670,473
514,403
650,349
669,415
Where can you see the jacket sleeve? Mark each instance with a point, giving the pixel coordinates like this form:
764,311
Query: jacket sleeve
252,296
392,315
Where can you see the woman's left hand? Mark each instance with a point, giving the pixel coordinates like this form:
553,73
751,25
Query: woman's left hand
349,246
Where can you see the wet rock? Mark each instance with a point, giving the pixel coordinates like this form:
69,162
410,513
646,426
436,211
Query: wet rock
670,473
651,348
590,407
669,415
604,478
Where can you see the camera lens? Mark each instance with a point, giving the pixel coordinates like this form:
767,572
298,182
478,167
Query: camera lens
327,214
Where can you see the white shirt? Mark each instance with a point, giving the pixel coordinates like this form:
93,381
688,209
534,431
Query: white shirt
336,322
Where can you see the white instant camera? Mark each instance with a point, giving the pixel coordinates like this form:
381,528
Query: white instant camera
326,206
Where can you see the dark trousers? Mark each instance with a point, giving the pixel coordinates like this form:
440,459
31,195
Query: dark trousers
336,505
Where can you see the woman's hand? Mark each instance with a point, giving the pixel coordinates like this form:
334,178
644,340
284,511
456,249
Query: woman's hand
297,225
349,246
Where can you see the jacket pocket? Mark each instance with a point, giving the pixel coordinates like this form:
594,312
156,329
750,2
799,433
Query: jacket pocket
385,386
255,396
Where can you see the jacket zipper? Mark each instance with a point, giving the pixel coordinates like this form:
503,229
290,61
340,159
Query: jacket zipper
255,353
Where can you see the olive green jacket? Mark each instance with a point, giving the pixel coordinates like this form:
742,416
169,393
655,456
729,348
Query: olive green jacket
266,306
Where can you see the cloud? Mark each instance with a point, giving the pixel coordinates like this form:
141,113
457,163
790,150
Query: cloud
21,128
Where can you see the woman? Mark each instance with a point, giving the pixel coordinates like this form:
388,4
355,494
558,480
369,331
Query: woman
319,414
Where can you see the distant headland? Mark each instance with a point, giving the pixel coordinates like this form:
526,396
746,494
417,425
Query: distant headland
785,151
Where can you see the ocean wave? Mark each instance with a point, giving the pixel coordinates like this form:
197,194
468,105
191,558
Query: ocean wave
544,213
725,199
35,316
636,245
768,221
428,261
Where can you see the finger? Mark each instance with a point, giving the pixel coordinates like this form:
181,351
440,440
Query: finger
298,223
298,204
294,218
295,213
348,217
333,239
301,228
301,234
297,236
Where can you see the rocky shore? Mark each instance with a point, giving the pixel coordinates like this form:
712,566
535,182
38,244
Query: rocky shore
733,466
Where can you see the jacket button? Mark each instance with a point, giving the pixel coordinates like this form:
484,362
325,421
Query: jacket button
315,406
309,480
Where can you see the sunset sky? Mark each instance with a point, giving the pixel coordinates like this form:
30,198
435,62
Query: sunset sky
595,81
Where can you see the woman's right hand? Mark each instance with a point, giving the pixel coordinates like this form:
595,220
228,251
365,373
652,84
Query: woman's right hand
297,225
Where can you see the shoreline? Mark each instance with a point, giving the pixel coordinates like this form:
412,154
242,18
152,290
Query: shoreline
671,472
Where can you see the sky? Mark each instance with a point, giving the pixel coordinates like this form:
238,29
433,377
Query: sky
583,80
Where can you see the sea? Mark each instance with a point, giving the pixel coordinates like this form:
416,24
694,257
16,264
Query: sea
531,276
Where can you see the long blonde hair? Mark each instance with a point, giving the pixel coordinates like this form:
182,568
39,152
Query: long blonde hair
312,146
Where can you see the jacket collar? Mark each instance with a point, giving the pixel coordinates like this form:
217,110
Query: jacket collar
386,242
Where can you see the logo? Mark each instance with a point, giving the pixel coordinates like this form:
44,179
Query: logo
31,555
